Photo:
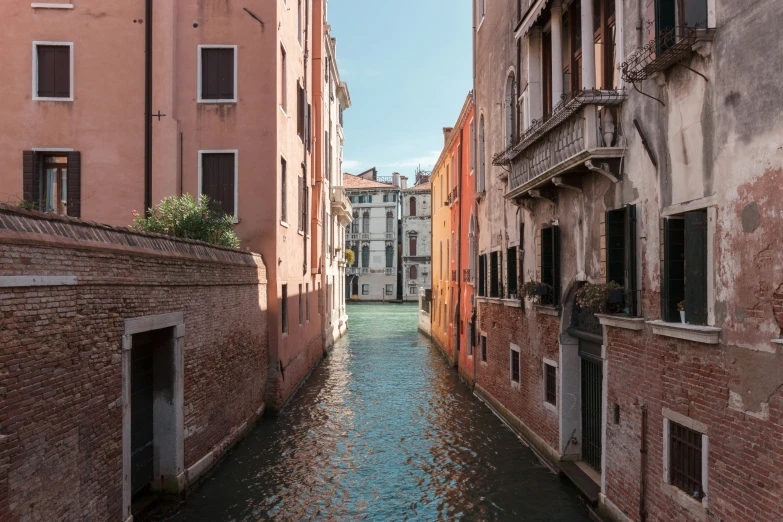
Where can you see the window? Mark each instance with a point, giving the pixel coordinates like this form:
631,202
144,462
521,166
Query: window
412,290
471,149
511,271
514,363
283,191
299,21
218,179
355,223
283,80
413,206
472,249
412,246
550,384
389,256
389,289
365,289
494,282
217,73
550,263
301,307
510,105
320,303
284,308
685,267
303,214
53,71
668,14
686,455
301,108
307,302
366,256
621,252
414,272
482,276
54,184
470,339
389,222
484,348
481,157
366,223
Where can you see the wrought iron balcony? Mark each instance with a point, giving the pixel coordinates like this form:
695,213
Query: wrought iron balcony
454,276
467,275
670,47
341,205
580,135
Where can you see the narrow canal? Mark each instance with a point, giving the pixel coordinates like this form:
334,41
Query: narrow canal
384,429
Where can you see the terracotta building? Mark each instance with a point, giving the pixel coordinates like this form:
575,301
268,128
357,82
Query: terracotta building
621,145
227,92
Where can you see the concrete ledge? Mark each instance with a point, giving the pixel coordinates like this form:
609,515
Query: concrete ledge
548,310
156,322
687,332
621,321
21,281
545,452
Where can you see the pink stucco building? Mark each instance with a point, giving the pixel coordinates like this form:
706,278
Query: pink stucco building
228,99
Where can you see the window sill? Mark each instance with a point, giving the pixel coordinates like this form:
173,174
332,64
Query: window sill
554,311
512,303
215,101
283,224
551,407
300,233
621,321
283,111
36,5
687,332
38,98
694,507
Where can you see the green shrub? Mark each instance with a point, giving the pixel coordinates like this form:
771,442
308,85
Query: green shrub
187,218
350,257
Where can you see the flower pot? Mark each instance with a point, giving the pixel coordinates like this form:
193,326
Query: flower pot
615,296
542,290
682,316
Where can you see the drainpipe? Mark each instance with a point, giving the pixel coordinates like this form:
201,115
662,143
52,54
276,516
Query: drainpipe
642,508
148,108
459,243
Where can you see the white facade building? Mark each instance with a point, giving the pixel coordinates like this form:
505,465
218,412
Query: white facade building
338,214
416,239
373,236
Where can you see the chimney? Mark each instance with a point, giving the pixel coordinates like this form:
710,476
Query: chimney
446,134
404,182
396,179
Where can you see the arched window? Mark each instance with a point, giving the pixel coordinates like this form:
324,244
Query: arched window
510,104
355,224
366,223
414,272
412,245
472,248
355,255
481,156
366,256
413,206
389,256
389,222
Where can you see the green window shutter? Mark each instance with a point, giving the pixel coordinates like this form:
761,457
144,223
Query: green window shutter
556,264
630,259
615,246
481,275
511,261
493,274
696,267
673,276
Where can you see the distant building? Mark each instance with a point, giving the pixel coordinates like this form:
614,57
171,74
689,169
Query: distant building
416,238
373,236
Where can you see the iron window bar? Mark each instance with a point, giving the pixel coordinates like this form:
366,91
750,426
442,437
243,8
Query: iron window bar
569,104
685,452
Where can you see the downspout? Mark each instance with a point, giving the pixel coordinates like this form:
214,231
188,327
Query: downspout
459,244
148,108
642,507
308,132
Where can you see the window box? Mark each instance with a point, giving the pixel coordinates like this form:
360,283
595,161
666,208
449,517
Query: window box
217,74
687,332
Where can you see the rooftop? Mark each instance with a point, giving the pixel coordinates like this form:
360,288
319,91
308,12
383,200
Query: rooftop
355,182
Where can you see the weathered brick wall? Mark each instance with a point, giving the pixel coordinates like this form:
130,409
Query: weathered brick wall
745,448
537,337
60,355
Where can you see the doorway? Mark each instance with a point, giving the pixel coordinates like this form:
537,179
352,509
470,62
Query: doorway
592,402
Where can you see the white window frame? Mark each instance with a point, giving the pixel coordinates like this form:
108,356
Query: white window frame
548,405
236,62
679,496
235,152
514,348
50,5
37,43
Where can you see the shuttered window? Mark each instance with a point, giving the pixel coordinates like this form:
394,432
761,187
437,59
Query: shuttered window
684,277
482,276
217,73
284,308
283,191
511,269
52,182
300,199
494,287
301,108
621,253
54,71
550,261
412,248
217,180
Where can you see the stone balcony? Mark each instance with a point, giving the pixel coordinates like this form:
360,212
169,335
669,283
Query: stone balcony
581,135
341,205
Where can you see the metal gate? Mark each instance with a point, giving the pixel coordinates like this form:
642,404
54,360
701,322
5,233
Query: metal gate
592,403
141,412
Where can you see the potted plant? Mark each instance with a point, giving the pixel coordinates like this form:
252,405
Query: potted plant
681,309
599,295
535,290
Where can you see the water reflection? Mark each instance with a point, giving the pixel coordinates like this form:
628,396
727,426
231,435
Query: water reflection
383,430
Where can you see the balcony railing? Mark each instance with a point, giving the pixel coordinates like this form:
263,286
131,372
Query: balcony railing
467,275
352,270
579,130
454,276
669,47
388,271
341,205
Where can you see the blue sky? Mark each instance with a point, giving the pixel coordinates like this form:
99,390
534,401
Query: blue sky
408,68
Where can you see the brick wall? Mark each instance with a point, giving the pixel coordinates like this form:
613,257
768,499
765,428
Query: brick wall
537,337
61,351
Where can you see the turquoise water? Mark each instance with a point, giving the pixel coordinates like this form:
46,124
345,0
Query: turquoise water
384,429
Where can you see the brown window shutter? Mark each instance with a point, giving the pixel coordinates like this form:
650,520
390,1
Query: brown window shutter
217,74
227,74
75,184
217,181
31,181
46,62
62,72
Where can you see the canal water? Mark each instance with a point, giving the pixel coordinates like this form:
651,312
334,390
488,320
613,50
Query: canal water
384,429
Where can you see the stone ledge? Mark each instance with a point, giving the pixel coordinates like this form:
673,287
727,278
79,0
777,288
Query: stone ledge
514,303
548,310
621,321
687,332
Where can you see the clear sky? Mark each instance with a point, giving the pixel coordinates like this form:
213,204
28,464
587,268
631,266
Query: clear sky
408,68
